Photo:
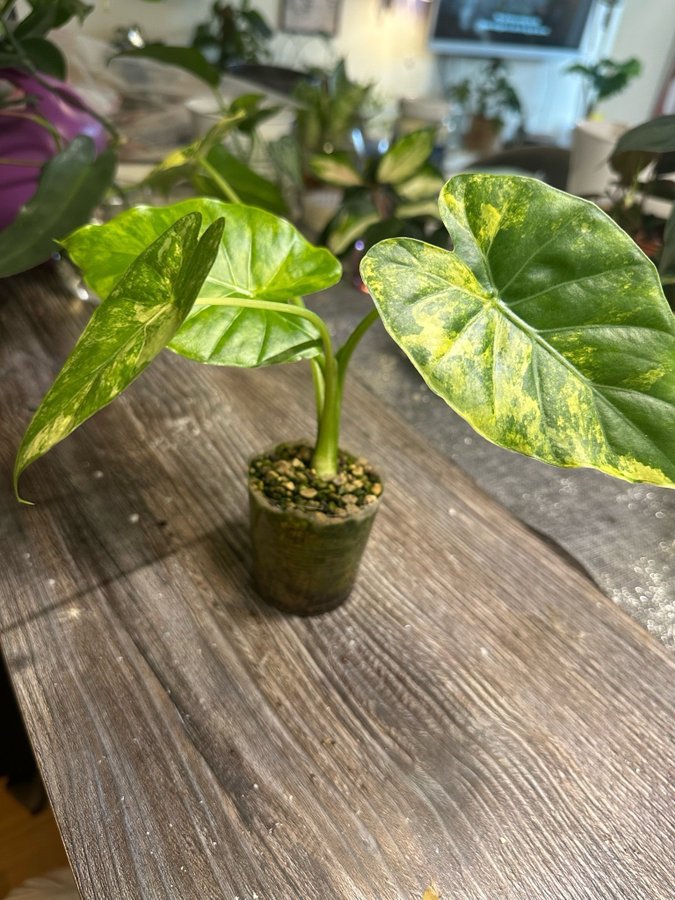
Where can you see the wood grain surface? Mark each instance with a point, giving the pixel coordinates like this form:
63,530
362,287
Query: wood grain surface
478,716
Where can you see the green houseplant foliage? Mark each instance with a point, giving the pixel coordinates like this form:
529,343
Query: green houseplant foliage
486,99
395,193
71,186
605,78
636,149
330,106
142,313
211,170
546,327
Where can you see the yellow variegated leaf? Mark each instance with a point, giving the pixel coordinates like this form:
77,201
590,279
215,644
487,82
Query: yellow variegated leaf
546,327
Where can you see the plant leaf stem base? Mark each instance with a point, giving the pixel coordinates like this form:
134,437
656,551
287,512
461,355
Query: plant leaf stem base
305,561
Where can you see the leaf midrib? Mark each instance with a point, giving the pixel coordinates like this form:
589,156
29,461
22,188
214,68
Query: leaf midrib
93,378
595,388
562,284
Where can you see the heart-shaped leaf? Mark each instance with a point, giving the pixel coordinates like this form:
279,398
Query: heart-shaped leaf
72,184
261,257
547,328
406,156
125,333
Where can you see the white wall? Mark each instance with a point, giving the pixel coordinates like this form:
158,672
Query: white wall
646,30
170,20
389,46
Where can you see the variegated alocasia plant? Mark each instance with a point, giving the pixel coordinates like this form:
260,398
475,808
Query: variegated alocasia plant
546,327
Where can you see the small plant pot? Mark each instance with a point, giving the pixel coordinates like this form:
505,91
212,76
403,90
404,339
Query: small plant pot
483,135
306,562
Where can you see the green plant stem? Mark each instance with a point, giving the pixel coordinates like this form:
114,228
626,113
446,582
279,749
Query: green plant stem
325,459
37,119
317,365
319,383
18,49
224,185
345,352
328,433
222,106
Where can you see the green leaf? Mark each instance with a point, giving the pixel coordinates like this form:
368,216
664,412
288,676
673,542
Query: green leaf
176,168
254,115
72,184
187,58
547,328
260,257
183,164
125,333
657,136
9,59
406,156
420,208
425,184
335,168
354,217
636,148
48,14
45,56
248,338
250,187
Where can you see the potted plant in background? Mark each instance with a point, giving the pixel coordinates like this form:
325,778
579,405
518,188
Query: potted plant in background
331,106
485,100
592,139
545,327
604,79
384,195
330,114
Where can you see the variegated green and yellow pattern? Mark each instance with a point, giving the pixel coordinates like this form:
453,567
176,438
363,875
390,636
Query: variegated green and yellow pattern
126,332
546,328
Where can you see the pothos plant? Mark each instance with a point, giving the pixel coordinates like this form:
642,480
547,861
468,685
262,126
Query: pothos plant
211,170
545,327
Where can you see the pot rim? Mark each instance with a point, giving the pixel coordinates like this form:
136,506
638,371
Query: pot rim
324,519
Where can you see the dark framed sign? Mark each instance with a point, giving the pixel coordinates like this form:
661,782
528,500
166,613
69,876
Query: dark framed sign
310,16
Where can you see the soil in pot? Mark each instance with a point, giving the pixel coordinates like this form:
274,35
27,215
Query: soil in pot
308,533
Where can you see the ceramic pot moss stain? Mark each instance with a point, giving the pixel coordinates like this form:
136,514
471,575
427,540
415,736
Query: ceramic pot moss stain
306,562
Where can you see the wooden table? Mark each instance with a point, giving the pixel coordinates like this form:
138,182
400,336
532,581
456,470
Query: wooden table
478,717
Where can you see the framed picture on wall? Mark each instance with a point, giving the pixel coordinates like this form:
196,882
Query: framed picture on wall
310,16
